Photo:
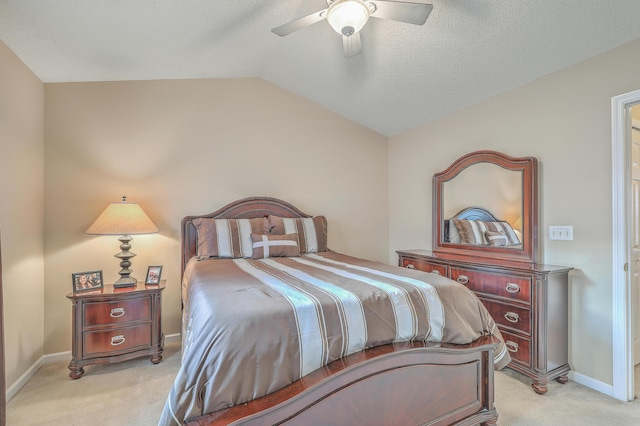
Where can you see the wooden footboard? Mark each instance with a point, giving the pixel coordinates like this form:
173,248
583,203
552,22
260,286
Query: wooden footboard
396,384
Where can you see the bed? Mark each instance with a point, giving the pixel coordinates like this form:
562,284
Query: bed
278,329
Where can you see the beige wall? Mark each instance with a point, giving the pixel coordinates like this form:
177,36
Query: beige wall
564,120
21,212
189,147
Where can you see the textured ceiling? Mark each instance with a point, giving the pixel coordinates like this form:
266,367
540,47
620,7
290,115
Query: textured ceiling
407,75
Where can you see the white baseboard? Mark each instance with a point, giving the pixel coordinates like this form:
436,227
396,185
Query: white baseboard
592,383
172,338
22,380
56,357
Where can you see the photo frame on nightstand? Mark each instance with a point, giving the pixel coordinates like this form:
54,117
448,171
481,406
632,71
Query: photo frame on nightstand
153,275
86,281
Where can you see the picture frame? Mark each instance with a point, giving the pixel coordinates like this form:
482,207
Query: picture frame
86,281
153,275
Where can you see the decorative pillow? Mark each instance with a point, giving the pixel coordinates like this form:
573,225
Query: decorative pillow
454,236
471,231
496,239
506,229
228,238
275,246
311,231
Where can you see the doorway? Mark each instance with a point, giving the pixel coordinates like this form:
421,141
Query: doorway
635,244
622,226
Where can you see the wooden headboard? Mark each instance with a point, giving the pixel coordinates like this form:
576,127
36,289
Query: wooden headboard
475,213
246,208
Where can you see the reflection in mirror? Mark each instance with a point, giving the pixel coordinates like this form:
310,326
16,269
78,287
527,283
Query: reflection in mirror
490,187
485,206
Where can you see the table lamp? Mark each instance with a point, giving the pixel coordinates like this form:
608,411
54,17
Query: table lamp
124,219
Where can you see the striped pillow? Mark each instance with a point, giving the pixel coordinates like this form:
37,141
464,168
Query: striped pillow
453,235
228,238
506,229
311,231
473,231
265,246
496,239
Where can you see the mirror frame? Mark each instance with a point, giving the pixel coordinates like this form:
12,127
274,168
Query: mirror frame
529,168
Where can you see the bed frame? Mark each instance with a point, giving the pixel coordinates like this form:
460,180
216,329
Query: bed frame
410,383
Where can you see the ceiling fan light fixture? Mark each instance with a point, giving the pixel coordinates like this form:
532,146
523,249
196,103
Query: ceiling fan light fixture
347,16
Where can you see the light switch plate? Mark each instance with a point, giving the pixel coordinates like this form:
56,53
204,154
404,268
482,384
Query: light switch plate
561,233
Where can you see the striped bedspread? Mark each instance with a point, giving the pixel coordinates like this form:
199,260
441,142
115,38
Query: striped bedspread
251,327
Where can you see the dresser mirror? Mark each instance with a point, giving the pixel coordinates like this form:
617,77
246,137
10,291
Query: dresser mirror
485,206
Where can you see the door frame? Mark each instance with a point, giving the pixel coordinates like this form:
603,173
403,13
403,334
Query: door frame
622,335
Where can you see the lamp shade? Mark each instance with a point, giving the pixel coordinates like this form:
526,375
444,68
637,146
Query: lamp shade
122,219
347,16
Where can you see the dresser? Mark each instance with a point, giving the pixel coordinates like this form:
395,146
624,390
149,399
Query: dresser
116,324
528,301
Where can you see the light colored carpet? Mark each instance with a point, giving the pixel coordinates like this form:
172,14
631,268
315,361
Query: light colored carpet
128,393
133,393
569,404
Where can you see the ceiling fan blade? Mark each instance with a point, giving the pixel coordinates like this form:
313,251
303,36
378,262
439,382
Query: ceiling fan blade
300,23
352,44
411,13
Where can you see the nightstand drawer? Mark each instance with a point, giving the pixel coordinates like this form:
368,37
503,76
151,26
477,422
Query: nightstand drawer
105,313
509,316
519,348
423,266
98,343
509,286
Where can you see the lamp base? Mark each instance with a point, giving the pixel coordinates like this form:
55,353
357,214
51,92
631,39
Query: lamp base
125,282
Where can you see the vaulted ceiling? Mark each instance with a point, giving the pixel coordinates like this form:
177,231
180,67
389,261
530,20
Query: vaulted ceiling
407,75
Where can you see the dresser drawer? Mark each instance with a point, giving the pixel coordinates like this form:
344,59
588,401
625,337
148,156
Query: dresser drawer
519,348
117,312
509,286
101,342
424,266
509,316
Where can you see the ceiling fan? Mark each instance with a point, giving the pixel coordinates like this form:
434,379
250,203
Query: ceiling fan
348,17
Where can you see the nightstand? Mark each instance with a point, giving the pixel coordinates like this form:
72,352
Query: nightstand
116,324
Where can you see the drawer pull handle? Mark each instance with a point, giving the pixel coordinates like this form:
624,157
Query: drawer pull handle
513,288
435,271
410,266
117,340
463,279
512,317
116,312
511,346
